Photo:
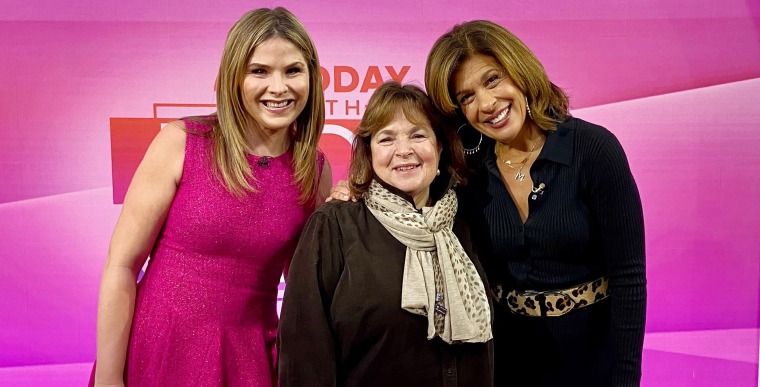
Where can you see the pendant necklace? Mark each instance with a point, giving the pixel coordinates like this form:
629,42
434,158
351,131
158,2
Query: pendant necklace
519,176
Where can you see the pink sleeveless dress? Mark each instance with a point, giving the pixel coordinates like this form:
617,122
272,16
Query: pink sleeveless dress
205,313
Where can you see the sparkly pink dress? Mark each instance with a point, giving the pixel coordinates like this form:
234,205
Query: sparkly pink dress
205,313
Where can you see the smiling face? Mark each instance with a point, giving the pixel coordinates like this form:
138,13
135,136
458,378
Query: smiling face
406,155
276,86
489,99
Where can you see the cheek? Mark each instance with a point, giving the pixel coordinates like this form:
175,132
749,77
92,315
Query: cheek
470,113
435,151
248,90
302,86
436,159
247,96
431,155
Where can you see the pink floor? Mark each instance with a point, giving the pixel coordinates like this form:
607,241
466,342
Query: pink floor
672,359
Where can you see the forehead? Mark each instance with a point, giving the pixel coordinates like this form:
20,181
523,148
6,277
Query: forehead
277,48
405,120
472,69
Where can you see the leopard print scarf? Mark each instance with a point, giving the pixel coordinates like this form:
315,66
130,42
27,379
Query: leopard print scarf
428,236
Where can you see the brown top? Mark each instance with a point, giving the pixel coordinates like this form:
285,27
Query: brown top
342,323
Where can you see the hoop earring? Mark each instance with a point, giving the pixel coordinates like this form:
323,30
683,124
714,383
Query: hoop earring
528,106
476,149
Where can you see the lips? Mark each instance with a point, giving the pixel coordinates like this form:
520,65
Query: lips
406,167
276,106
500,117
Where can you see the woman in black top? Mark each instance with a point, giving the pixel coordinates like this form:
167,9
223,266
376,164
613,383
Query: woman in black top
386,291
554,212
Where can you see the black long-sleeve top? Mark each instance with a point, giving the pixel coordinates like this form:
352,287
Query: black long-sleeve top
342,324
587,223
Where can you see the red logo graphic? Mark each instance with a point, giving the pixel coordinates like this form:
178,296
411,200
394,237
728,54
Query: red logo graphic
130,138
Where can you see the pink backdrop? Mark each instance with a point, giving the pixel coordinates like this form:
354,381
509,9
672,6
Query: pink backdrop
678,82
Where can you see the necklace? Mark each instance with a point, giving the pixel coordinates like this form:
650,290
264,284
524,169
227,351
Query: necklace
519,176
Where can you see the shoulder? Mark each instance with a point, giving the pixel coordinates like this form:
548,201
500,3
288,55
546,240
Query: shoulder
602,157
591,139
339,210
336,218
198,131
582,129
166,154
199,125
171,139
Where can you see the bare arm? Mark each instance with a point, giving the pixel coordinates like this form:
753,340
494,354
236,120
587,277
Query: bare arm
325,183
145,207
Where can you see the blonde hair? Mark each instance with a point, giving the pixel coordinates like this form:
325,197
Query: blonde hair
548,103
384,105
229,134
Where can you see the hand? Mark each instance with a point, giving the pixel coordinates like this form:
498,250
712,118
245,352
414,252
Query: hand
118,384
341,192
103,381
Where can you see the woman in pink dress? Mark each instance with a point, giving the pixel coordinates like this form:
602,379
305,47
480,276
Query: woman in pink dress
218,202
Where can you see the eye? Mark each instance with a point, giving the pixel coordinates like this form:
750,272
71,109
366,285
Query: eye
384,140
465,99
418,137
294,70
257,71
492,80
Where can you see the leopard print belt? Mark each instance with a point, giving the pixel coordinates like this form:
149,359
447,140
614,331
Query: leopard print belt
553,302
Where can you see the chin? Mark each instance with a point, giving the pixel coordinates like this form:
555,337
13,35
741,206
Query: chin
279,124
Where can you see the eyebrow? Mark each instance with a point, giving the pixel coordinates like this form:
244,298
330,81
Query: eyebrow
294,64
415,128
386,131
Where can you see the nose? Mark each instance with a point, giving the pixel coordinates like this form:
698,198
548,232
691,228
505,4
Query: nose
486,101
403,147
278,84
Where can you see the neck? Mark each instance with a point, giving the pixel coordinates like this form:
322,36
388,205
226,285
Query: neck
268,142
422,199
528,136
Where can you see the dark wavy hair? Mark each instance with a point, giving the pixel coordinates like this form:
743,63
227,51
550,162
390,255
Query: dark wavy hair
390,98
548,103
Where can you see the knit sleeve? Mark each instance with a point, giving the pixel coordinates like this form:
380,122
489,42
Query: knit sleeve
617,213
306,346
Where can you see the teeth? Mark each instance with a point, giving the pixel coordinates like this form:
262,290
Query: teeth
276,105
406,168
501,116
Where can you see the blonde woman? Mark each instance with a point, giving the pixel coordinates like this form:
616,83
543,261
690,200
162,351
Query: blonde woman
218,203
